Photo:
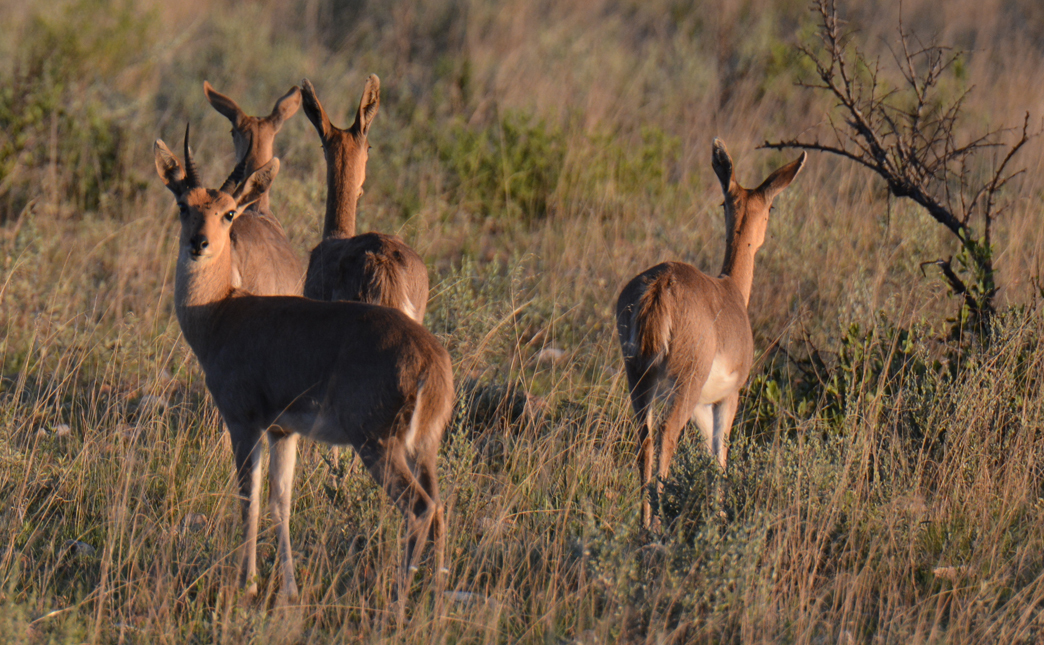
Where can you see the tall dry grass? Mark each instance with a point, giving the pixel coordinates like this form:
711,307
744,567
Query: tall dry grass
537,155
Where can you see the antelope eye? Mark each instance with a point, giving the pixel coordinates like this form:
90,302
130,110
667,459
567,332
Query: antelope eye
230,215
182,209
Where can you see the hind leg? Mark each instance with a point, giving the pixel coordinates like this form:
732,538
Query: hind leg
390,468
429,481
643,395
680,410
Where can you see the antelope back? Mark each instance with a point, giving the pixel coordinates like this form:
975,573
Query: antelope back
372,267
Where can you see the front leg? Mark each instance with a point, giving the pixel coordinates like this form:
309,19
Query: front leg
724,413
246,448
703,415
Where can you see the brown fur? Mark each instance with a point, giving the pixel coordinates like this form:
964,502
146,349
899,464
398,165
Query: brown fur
653,318
264,260
338,372
685,336
374,267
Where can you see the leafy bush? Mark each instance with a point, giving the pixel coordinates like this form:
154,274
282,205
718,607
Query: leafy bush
508,169
56,129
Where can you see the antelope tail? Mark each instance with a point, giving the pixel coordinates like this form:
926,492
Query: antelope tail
652,319
431,411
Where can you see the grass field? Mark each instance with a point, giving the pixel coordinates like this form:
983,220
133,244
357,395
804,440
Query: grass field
886,481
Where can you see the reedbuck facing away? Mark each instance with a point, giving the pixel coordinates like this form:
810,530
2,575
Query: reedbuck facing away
264,263
686,336
337,372
375,268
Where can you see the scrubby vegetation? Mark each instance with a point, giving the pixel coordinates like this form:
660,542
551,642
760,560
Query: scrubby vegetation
886,470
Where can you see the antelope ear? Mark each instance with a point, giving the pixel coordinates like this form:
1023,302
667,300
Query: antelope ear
722,164
223,104
169,169
285,107
314,110
781,178
371,100
256,184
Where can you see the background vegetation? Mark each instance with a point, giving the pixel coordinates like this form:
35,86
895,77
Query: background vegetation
886,478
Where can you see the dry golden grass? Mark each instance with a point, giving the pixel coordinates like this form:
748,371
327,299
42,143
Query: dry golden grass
914,514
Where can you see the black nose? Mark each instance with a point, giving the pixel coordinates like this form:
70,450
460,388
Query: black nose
198,242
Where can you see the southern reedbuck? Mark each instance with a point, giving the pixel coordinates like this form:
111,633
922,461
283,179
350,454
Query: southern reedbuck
375,268
264,263
686,336
337,372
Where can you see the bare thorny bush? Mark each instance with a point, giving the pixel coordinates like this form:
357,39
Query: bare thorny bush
906,132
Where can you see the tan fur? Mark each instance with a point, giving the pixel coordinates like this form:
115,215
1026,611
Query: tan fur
261,253
337,372
686,335
374,267
652,319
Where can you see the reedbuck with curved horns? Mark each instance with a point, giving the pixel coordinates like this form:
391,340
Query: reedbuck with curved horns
686,336
340,372
264,263
373,267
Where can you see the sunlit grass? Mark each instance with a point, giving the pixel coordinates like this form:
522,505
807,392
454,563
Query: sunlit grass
905,509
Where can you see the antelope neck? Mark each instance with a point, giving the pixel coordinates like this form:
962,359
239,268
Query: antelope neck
342,196
254,161
739,262
198,286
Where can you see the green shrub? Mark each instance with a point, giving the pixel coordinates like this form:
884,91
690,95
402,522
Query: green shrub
56,125
509,169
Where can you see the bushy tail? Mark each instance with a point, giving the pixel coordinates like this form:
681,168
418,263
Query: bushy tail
652,318
386,284
432,408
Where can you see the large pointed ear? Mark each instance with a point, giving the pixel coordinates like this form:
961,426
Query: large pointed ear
223,104
256,184
314,110
169,169
722,164
371,100
285,107
781,178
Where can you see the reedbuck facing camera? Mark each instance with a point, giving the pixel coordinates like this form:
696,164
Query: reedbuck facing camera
373,267
263,261
337,372
686,336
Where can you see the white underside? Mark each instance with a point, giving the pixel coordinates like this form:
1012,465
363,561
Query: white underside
721,382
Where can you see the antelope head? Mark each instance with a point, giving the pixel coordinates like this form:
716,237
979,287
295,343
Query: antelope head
253,135
207,214
346,150
747,211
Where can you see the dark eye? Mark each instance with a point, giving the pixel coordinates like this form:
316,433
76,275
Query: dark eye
183,209
230,215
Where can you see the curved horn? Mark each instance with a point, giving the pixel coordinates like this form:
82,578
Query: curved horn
191,174
235,179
